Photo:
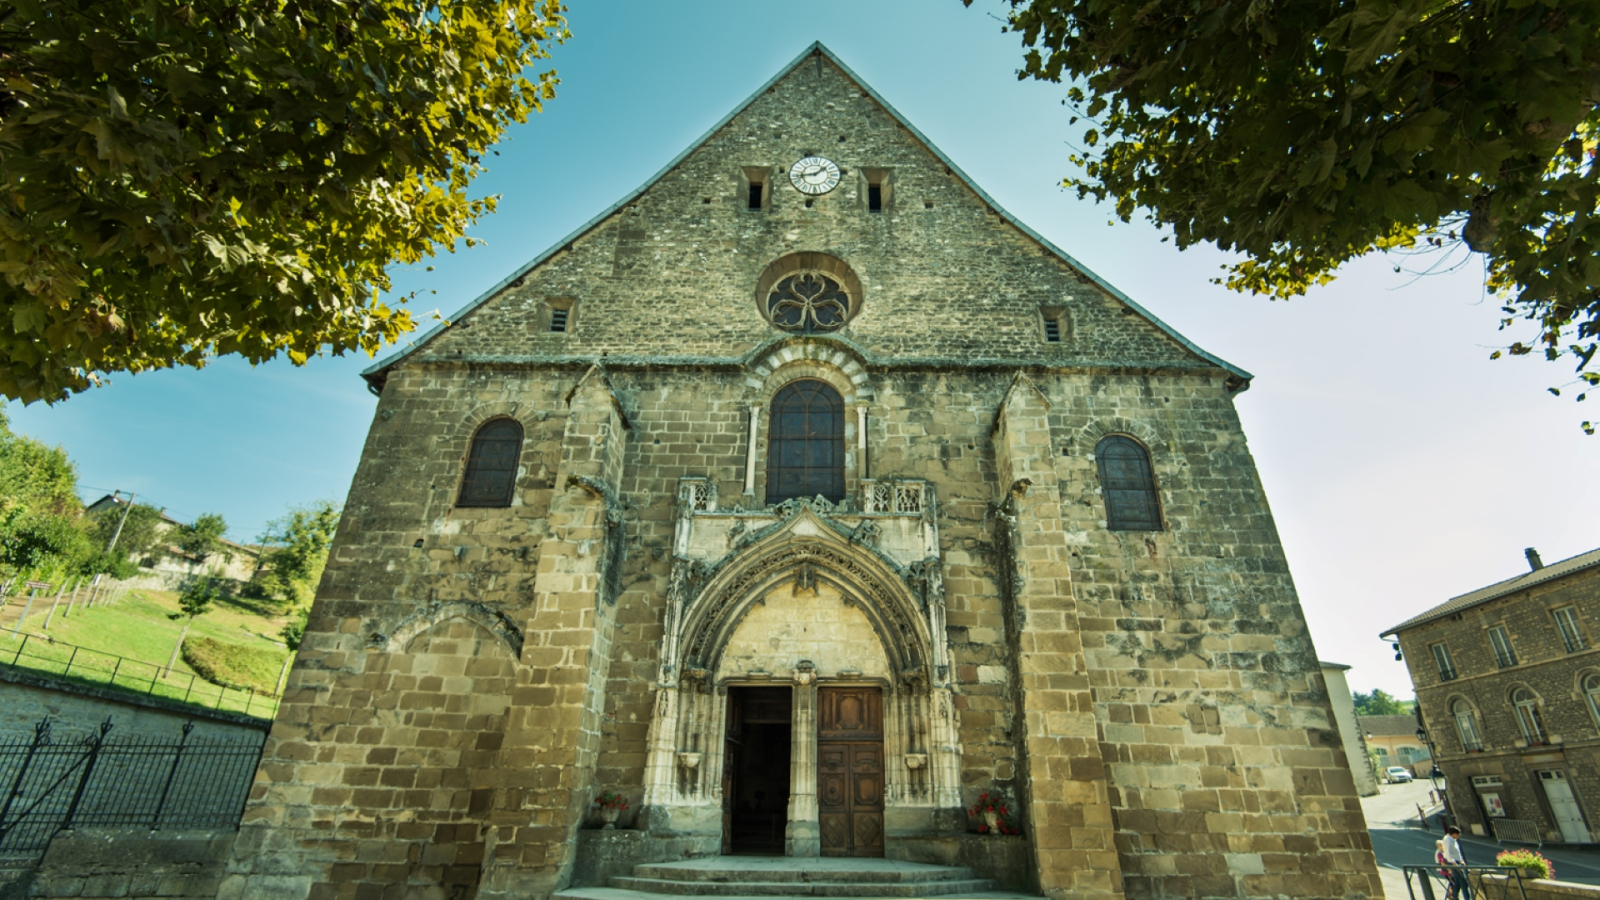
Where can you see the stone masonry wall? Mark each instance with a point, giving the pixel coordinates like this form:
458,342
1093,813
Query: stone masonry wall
1152,705
673,273
1228,771
1543,665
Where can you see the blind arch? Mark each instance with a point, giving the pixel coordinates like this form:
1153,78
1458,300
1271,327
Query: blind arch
805,442
490,479
1128,484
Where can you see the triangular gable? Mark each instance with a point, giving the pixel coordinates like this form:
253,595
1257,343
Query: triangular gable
373,374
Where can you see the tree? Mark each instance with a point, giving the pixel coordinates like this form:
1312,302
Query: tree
203,538
1306,133
298,551
40,531
190,179
293,632
194,600
1377,703
140,537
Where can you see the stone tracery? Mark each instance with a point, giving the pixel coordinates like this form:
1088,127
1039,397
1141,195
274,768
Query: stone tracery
802,552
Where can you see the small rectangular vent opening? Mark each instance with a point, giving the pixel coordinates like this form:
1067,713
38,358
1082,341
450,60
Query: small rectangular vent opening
1052,330
874,198
756,190
558,320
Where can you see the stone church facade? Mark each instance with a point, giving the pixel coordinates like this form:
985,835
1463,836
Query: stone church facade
800,499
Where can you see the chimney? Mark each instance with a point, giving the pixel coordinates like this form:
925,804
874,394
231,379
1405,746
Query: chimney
1533,559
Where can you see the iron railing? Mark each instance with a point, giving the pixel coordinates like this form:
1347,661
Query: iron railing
1517,831
133,782
41,653
1433,882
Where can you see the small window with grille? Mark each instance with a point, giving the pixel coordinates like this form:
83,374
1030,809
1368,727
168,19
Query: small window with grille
558,316
1500,643
1441,658
1054,320
1567,623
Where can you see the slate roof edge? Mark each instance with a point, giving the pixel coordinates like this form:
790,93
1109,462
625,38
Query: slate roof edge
372,373
1499,589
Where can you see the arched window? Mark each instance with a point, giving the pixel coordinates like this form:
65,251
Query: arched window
1528,718
492,465
1128,485
805,443
1467,725
1591,694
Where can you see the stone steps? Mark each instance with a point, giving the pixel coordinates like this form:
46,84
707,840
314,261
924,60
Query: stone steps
803,888
733,877
612,893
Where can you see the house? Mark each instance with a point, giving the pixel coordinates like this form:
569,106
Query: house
806,504
1394,741
240,562
1508,678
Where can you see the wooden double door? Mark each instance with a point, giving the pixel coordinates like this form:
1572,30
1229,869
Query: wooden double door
850,770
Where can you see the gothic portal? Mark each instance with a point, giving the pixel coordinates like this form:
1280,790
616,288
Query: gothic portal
796,503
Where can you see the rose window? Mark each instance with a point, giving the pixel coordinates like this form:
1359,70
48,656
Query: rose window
808,302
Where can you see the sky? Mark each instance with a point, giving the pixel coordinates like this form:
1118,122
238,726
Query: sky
1403,466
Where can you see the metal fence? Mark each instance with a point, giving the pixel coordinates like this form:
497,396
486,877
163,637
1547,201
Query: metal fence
52,784
46,655
1433,882
1517,831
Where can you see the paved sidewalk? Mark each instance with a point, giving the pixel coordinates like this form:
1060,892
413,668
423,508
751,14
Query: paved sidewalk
1397,841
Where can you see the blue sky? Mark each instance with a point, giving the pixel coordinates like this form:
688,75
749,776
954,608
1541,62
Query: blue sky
1402,465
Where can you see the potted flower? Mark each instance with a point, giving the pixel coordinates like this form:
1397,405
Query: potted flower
990,810
1532,864
611,805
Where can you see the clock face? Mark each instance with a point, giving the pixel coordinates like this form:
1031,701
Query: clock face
814,175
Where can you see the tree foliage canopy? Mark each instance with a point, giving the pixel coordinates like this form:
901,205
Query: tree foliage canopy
203,537
185,179
40,534
1306,133
1377,703
298,551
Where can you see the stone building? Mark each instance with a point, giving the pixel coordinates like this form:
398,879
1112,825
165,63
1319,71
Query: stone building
1395,741
1508,679
801,498
1351,735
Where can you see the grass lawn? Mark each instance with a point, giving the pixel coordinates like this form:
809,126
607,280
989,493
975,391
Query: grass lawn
137,629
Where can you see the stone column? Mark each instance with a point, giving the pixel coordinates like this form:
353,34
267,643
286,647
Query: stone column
861,439
552,740
750,453
1069,806
803,836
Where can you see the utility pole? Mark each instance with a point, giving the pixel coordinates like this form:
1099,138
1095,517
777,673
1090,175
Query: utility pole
113,542
122,521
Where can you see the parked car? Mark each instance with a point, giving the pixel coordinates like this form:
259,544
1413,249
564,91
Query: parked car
1397,775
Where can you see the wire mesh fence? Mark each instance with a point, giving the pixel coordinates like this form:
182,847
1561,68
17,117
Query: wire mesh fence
43,654
53,783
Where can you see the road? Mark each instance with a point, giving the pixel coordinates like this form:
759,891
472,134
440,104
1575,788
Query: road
1396,841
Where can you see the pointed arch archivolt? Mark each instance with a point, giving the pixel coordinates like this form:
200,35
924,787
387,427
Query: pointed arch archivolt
805,553
492,621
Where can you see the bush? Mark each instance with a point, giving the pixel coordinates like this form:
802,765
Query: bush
1532,864
233,665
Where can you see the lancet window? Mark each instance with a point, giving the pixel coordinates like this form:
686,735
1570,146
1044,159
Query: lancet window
1128,485
491,476
805,444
